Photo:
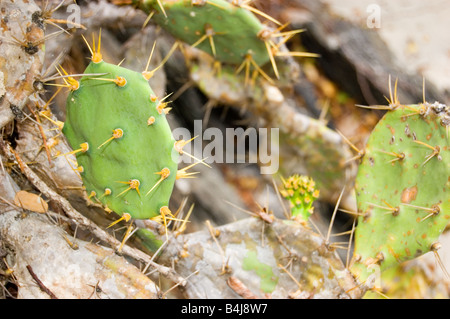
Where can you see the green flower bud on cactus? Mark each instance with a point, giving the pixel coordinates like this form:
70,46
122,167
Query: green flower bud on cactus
301,193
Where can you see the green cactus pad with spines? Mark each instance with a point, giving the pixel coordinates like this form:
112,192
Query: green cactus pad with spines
301,193
235,30
97,108
403,187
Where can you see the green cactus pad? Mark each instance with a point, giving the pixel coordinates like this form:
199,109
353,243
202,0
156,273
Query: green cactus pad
235,31
94,111
403,187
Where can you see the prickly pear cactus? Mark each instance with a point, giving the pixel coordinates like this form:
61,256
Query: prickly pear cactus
403,187
224,30
301,193
125,151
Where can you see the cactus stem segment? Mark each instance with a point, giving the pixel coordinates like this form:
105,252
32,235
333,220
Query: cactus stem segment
409,196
